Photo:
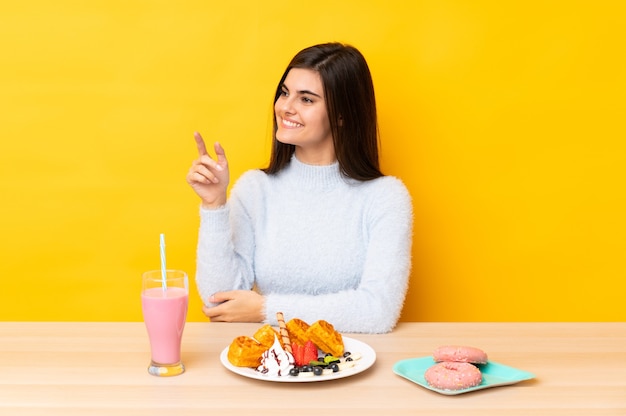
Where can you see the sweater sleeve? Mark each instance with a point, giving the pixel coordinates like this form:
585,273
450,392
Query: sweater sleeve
375,305
225,250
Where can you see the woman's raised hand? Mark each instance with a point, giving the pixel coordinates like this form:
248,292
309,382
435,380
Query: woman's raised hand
209,177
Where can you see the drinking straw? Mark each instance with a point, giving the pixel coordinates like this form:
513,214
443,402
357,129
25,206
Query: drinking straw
163,268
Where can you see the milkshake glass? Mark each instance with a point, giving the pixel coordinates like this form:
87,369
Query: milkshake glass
164,309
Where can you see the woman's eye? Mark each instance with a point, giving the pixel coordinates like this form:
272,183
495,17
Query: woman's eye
284,93
307,100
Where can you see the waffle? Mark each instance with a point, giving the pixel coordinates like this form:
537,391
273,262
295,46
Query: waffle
326,338
245,352
297,329
266,335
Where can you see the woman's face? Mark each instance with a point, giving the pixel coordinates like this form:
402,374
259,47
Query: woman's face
302,118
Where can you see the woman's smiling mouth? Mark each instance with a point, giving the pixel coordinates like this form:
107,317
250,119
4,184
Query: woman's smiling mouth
290,124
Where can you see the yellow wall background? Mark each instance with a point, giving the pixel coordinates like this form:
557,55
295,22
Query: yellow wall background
504,119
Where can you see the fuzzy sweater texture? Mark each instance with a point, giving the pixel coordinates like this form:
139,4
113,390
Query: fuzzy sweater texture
316,244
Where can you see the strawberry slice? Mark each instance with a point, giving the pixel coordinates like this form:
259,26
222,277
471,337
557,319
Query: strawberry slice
298,353
310,352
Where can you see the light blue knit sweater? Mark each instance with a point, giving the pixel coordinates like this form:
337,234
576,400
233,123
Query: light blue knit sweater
315,244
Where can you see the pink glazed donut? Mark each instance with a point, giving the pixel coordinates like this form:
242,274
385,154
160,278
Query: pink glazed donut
459,354
453,376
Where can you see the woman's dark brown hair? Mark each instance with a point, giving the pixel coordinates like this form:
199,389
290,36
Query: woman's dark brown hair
351,107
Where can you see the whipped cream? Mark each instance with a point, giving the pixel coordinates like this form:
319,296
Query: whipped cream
276,361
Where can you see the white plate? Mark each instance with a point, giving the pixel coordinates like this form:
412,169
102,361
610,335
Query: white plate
368,357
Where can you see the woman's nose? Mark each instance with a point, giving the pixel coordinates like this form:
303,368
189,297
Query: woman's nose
286,105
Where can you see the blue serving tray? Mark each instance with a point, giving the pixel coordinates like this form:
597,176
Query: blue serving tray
494,374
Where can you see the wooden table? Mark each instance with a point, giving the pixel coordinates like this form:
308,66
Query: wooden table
101,369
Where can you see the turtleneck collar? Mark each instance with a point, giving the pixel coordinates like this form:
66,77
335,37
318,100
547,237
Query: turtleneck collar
318,177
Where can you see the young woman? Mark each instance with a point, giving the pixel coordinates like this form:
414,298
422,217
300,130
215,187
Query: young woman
320,233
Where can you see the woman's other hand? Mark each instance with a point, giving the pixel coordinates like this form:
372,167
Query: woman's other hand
236,306
209,177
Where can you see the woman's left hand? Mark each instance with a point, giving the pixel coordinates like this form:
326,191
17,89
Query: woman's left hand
236,306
